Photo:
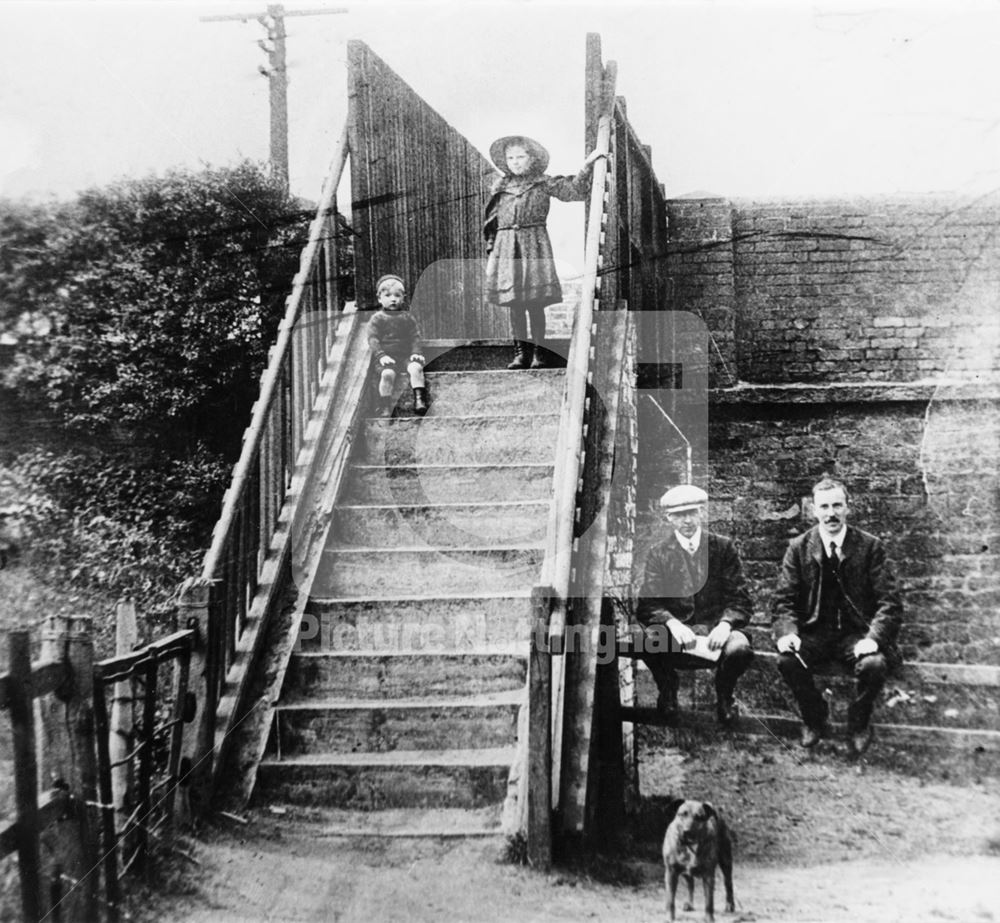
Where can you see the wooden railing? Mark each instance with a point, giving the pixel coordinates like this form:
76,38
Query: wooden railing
250,544
547,673
151,765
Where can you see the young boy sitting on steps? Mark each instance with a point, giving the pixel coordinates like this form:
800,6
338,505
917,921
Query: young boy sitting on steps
395,340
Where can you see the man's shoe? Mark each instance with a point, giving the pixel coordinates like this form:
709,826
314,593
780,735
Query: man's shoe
666,704
727,711
813,735
859,741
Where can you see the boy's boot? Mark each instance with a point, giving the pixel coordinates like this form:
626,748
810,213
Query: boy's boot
420,401
519,330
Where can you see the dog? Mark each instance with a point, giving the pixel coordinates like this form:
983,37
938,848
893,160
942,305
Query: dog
697,841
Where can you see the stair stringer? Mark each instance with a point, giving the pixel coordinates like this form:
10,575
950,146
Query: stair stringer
245,714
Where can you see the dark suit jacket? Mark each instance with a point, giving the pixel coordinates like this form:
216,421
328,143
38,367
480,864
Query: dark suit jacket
669,590
873,604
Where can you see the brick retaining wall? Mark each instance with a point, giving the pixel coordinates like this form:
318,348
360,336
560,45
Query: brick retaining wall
860,338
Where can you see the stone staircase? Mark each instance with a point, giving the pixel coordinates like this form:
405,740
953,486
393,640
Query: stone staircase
401,714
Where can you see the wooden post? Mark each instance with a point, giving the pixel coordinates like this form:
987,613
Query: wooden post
195,771
110,845
22,717
120,736
54,763
144,786
540,732
80,719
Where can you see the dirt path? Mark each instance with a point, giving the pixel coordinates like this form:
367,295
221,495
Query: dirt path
818,839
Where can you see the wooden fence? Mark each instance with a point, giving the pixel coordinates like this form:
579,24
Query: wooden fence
57,688
144,809
61,731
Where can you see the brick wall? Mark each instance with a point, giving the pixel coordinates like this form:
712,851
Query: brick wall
875,289
763,460
859,338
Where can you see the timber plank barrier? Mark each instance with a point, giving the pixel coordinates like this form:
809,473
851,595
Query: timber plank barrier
418,192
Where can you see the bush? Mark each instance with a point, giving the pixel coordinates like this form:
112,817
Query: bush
101,522
160,296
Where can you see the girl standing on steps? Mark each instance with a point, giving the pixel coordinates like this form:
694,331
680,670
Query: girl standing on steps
520,271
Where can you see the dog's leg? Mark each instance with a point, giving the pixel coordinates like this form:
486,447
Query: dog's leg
670,879
689,878
726,863
708,881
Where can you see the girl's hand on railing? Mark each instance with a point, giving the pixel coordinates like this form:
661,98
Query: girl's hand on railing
593,156
386,361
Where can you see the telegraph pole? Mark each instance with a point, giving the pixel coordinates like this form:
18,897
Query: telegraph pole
276,72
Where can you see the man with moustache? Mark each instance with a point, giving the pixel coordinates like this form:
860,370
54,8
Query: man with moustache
694,578
836,601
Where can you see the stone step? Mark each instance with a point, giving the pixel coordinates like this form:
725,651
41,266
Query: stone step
367,572
376,725
435,623
393,676
397,779
488,393
447,483
520,438
312,824
489,355
451,525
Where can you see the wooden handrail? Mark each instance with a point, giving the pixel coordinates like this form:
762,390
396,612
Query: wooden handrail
250,538
279,354
558,561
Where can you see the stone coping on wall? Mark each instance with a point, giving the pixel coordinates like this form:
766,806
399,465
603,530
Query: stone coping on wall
864,392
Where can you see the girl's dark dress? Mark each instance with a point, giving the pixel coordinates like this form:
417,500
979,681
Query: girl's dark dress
520,269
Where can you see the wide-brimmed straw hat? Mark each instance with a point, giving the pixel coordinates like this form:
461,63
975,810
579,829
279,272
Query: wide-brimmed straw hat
539,156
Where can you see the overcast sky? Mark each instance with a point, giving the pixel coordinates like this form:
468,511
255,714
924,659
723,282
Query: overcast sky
746,99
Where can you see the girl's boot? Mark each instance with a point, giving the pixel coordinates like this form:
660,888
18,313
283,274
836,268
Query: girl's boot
540,357
519,330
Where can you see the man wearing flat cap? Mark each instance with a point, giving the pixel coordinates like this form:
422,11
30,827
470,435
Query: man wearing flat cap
694,578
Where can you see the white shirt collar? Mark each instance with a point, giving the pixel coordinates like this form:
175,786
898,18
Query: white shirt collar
689,544
838,538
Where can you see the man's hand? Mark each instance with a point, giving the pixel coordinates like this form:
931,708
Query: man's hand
683,635
865,646
788,643
386,361
719,635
